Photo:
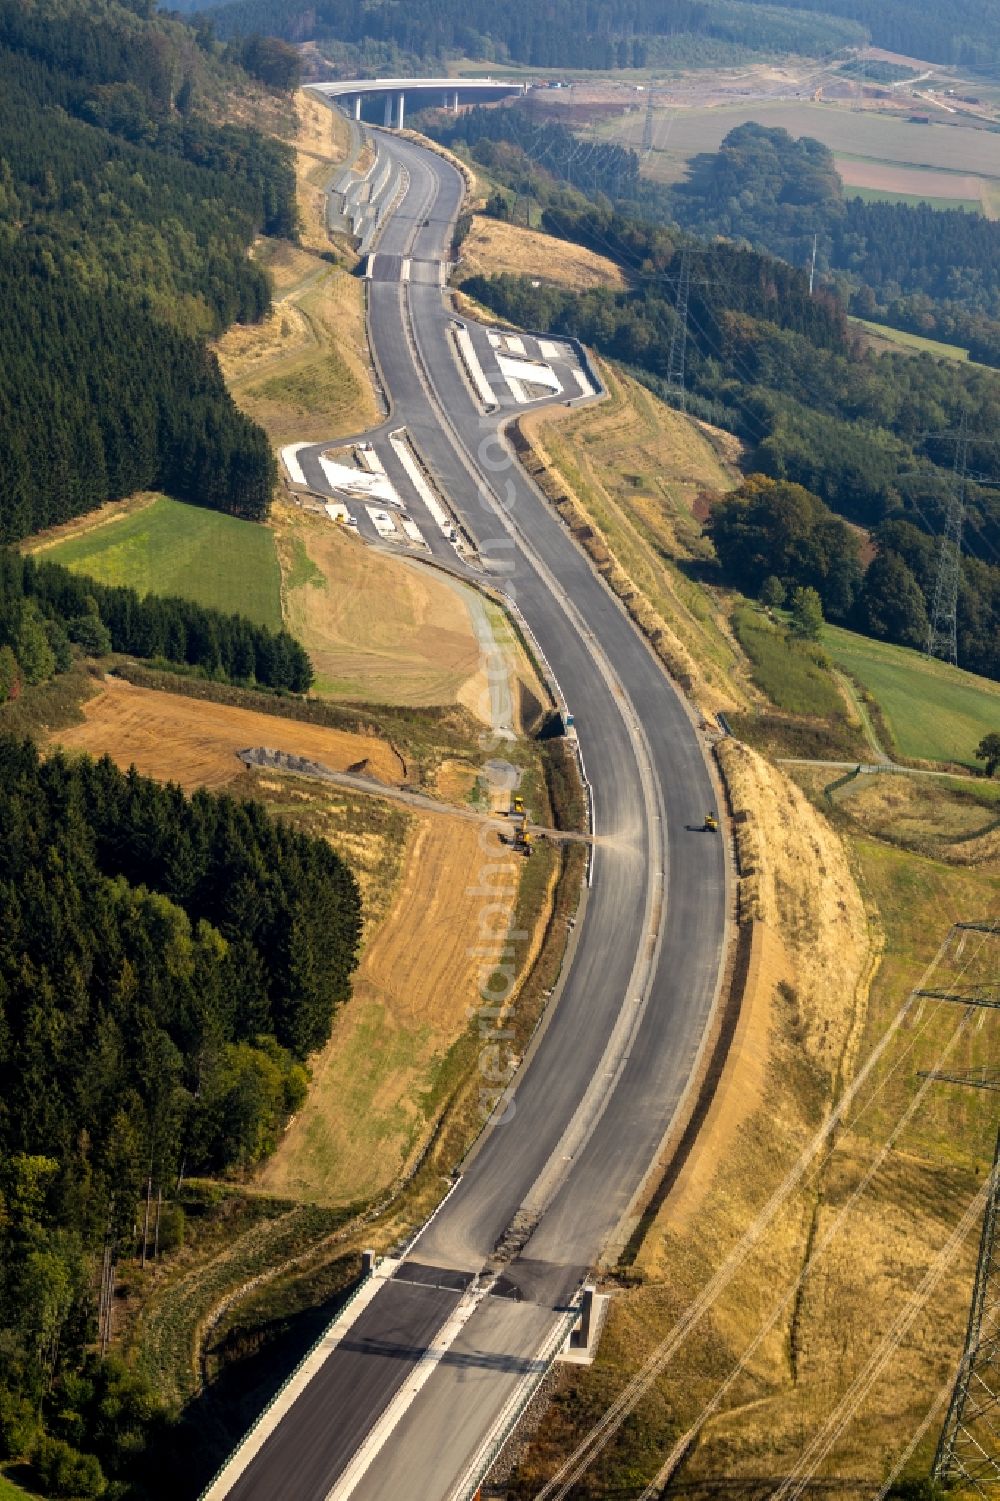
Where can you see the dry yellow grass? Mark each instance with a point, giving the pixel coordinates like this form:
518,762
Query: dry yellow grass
625,477
194,742
321,143
364,1117
304,373
384,630
842,931
491,245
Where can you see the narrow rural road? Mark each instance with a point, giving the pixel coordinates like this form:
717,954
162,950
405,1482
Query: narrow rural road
410,1397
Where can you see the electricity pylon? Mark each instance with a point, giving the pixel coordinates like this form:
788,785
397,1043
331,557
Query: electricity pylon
968,1451
678,334
647,129
942,631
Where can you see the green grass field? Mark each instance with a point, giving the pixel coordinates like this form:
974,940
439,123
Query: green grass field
934,712
787,671
876,195
914,341
11,1492
172,548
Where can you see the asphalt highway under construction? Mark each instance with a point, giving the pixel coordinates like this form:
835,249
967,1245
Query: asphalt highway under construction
411,1399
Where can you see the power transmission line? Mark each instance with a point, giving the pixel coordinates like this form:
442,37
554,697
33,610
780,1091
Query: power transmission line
678,334
942,632
968,1451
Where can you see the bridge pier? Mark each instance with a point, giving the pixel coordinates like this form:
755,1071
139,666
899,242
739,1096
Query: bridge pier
357,107
399,110
387,116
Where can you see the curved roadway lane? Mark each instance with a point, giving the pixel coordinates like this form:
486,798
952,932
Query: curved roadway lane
600,1090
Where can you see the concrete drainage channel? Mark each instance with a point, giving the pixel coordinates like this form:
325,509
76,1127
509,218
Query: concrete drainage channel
360,203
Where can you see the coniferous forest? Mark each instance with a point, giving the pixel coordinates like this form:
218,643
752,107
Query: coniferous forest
125,218
166,963
45,607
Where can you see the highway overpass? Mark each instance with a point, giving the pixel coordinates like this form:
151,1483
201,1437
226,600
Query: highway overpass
447,92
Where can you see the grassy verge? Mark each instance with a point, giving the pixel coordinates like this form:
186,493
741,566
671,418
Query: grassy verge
913,341
494,245
11,1492
50,706
304,373
874,1218
172,548
810,717
933,712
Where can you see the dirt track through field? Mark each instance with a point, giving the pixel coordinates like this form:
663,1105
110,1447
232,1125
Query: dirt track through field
194,742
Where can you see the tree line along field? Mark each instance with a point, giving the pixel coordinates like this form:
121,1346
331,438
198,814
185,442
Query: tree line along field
170,548
935,712
952,156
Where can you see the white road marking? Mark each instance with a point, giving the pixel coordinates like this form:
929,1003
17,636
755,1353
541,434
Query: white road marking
289,457
358,482
515,344
296,1385
584,384
424,1370
404,454
529,372
381,521
474,368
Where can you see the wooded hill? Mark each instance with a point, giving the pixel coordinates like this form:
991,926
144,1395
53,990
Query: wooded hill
933,271
622,33
125,219
565,34
165,965
786,373
44,607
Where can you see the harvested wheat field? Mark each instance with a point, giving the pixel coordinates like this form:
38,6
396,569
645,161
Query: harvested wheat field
491,245
194,742
374,1085
381,629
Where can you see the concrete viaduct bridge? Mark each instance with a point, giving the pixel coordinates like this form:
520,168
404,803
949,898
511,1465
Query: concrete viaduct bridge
350,93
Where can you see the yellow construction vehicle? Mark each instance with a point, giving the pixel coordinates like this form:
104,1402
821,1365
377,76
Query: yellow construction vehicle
711,824
522,840
517,804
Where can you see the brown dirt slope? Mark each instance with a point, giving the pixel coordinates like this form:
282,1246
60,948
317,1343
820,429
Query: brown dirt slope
304,372
194,742
376,627
491,245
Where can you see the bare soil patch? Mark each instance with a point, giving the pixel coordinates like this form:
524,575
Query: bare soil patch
375,628
919,181
194,742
